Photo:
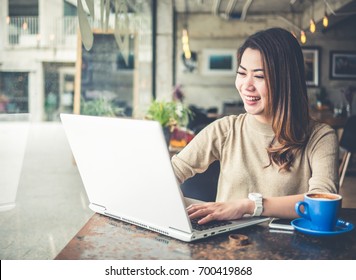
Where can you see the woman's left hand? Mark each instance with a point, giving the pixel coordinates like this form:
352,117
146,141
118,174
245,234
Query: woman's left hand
210,211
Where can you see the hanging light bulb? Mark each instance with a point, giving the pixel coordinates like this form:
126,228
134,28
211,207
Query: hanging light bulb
303,37
325,20
312,26
185,38
185,43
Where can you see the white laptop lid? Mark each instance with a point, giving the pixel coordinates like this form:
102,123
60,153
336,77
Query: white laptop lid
125,167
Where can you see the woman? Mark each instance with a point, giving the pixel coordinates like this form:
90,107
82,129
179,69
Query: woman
274,149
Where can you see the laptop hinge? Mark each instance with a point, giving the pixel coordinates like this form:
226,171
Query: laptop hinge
97,208
180,230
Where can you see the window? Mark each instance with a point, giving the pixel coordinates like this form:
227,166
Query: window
18,8
14,92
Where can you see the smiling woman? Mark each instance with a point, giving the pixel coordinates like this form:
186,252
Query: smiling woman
273,153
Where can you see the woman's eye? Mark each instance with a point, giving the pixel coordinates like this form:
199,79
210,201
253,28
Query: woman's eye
259,77
241,73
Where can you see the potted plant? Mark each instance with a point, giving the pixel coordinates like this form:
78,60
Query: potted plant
169,114
99,107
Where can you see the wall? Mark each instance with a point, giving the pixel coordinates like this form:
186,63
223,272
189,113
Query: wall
342,37
213,32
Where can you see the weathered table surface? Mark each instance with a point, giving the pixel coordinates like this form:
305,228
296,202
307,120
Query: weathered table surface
105,238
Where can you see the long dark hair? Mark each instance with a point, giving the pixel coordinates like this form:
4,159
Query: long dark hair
287,99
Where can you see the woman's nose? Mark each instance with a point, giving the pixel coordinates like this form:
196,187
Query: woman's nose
249,83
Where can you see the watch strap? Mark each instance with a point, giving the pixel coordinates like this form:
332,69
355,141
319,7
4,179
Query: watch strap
258,207
257,198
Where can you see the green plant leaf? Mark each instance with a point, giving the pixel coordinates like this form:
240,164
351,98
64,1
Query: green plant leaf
169,113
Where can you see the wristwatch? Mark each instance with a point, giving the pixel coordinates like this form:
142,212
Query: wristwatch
257,198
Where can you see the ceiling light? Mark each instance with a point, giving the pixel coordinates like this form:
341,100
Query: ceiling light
312,26
185,44
303,37
325,20
185,38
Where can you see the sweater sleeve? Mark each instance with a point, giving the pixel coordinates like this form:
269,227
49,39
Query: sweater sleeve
324,156
204,149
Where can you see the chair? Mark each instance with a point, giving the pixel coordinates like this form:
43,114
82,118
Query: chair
348,143
203,186
199,120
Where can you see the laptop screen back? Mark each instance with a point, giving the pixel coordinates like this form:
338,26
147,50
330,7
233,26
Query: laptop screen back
125,168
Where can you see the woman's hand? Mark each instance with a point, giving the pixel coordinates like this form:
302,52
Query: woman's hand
230,210
279,207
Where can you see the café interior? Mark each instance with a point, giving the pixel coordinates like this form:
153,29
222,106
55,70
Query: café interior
117,58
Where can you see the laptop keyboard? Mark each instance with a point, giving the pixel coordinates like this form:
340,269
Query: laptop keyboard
210,225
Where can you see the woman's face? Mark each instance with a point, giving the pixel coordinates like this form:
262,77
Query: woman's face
251,84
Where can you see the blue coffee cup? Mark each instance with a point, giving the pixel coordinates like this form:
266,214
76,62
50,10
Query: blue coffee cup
321,209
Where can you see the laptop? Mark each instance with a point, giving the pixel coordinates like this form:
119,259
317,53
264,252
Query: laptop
127,174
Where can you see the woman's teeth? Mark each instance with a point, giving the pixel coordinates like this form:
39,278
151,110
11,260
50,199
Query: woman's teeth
253,98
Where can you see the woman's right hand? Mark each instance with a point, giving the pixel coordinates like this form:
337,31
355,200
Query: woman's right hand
230,210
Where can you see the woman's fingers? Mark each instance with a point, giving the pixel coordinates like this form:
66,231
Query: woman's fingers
211,211
206,219
207,210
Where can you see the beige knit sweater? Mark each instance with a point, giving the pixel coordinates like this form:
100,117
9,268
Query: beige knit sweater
239,143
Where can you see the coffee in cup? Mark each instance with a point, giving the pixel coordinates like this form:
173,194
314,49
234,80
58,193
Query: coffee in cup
321,209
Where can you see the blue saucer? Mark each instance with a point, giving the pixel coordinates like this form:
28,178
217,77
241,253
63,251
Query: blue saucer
303,225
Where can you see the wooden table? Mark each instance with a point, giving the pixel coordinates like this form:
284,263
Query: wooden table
104,238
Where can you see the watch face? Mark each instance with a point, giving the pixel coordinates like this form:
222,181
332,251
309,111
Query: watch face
255,195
